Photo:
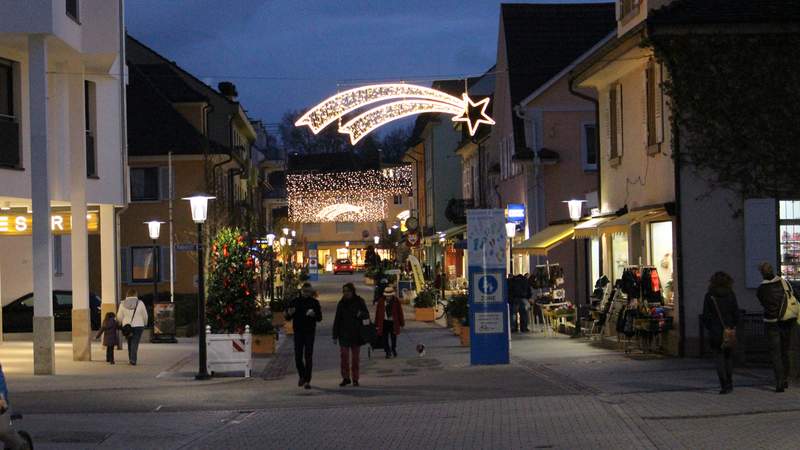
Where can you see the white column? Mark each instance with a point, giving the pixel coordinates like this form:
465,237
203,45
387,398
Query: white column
108,260
43,334
81,327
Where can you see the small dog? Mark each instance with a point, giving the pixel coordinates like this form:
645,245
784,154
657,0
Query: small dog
421,350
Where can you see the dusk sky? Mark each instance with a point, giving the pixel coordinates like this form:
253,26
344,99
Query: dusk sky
289,54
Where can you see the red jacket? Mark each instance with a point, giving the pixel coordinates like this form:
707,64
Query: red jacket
397,315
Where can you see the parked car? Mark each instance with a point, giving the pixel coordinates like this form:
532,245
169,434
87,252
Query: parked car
343,266
18,315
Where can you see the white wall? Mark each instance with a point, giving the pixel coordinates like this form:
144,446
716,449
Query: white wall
16,271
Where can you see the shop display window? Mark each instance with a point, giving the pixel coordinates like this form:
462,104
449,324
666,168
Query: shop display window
789,236
661,254
619,254
594,262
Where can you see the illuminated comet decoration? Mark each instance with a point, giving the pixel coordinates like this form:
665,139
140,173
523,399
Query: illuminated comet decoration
394,101
331,212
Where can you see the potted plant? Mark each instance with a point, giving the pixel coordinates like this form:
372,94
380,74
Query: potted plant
457,307
264,334
423,306
231,304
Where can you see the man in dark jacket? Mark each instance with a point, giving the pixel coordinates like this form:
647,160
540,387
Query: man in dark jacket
304,312
351,311
772,296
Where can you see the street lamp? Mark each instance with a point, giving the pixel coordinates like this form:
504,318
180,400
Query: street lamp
294,233
154,230
199,206
575,213
377,239
511,231
285,231
270,241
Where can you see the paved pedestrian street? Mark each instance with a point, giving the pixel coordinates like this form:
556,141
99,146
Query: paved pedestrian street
557,393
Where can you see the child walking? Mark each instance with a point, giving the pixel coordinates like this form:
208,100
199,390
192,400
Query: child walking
110,337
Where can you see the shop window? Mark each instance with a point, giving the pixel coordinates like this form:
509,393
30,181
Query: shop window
9,126
789,235
594,262
661,255
619,254
589,146
144,184
143,265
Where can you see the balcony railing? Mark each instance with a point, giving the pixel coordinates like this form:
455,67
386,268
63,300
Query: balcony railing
9,143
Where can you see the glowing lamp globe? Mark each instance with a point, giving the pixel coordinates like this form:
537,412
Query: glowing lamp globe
199,205
270,239
154,228
377,239
285,231
511,230
575,209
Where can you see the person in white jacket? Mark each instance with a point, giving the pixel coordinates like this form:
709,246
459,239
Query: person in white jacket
133,312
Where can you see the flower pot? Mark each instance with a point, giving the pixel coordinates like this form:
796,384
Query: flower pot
288,328
229,352
465,336
424,314
277,319
264,344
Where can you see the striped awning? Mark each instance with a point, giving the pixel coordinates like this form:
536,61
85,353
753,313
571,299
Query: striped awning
545,240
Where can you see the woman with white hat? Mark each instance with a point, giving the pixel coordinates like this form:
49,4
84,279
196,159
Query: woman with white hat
389,320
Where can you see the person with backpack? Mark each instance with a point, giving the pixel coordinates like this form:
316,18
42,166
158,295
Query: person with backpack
720,317
780,315
389,320
132,315
351,312
304,311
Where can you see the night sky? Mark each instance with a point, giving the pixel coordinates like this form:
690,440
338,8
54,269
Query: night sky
289,54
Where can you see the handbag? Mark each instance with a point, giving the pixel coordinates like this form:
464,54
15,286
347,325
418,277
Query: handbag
792,307
127,329
728,334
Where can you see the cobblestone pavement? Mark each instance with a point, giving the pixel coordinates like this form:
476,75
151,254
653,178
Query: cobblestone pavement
557,393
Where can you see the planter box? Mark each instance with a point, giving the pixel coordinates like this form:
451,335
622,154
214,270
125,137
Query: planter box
465,336
288,328
229,352
264,344
277,319
424,314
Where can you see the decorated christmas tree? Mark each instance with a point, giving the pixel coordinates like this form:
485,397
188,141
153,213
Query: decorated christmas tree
231,303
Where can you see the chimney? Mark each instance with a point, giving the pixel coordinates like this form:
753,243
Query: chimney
228,89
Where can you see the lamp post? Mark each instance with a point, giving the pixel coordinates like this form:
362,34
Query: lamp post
199,206
270,241
154,230
511,231
575,212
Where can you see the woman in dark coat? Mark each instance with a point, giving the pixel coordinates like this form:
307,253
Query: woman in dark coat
351,311
389,320
721,311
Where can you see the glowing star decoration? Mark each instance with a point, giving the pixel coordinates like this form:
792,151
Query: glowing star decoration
394,101
331,212
474,114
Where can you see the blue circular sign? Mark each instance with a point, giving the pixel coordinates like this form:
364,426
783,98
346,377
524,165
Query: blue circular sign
487,284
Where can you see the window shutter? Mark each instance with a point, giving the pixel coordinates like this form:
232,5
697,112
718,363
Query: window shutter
760,238
605,122
163,264
659,115
646,104
163,183
620,142
125,269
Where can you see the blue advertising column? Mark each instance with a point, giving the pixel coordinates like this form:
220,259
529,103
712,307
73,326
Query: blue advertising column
488,310
313,262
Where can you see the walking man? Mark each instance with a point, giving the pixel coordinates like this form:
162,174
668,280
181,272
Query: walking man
774,294
351,312
304,312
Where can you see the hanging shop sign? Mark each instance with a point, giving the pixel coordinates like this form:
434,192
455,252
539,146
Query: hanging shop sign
412,237
384,103
60,223
516,213
488,308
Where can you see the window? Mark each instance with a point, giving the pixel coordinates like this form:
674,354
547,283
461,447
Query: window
619,254
615,122
9,128
144,184
311,228
143,265
89,108
57,256
789,235
589,146
398,199
655,125
661,255
72,9
627,7
344,227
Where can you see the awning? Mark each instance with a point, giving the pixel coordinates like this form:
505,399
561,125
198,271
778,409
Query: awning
544,241
450,232
622,223
588,229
